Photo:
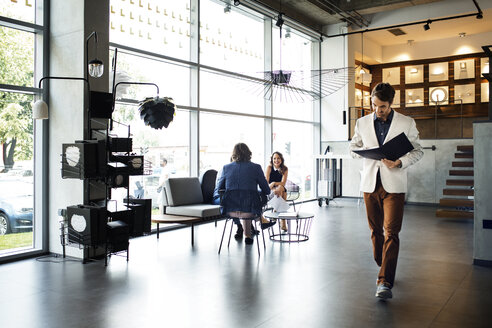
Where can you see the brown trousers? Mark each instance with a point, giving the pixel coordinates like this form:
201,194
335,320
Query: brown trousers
385,215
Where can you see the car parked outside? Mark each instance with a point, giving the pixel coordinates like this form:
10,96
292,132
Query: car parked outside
16,204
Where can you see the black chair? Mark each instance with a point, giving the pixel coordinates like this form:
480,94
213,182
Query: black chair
207,182
230,199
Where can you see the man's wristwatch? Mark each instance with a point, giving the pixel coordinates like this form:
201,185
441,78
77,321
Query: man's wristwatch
399,165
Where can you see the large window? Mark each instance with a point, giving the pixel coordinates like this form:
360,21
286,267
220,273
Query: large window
20,10
230,94
19,53
219,133
215,78
293,52
231,38
171,145
163,27
297,149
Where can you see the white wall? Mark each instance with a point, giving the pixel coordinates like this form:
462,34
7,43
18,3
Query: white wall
482,246
66,99
334,55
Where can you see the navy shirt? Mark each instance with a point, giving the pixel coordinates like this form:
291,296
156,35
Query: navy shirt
382,127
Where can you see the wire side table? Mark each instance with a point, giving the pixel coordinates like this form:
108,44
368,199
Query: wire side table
298,227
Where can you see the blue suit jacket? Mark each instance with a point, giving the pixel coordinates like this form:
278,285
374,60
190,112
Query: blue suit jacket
240,181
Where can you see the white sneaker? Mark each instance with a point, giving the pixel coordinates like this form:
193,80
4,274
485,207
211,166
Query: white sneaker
384,292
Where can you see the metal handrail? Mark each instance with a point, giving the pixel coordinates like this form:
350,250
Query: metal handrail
365,110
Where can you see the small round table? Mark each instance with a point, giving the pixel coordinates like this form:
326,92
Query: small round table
302,221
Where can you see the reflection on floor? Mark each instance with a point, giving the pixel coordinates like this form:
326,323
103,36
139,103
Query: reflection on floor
327,281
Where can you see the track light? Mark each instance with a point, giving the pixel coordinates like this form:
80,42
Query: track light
427,25
280,20
237,2
227,9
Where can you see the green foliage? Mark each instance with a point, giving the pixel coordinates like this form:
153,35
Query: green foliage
16,57
15,240
16,68
14,125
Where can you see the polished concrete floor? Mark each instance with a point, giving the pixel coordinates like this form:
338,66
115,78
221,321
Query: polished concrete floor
327,281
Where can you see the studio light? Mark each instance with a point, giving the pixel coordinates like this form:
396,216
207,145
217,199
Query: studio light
40,108
280,20
237,2
427,25
95,67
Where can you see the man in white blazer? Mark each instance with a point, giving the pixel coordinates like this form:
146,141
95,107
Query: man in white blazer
384,182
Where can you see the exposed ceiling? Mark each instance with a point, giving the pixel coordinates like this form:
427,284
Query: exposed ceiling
438,30
319,13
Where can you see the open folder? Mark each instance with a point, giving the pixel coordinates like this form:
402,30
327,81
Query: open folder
392,150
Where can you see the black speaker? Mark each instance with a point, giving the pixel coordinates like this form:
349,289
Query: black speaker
101,104
97,190
118,175
134,163
118,235
124,214
147,217
87,224
80,160
120,145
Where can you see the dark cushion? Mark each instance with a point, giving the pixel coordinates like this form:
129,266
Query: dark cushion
207,181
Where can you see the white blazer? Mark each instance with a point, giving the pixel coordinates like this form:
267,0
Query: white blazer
393,180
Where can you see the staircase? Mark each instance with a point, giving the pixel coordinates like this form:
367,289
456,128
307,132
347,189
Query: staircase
458,194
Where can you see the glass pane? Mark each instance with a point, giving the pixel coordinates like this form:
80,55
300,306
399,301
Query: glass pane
484,87
414,74
171,78
414,97
231,38
219,134
438,72
170,143
292,53
154,25
464,93
484,65
16,57
16,172
230,94
21,10
464,69
293,110
391,75
297,149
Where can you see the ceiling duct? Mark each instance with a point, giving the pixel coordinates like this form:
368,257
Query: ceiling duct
397,31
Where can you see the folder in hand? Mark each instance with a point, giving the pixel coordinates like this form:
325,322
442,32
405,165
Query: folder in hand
392,150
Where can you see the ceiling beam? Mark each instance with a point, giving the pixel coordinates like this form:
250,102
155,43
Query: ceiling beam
292,13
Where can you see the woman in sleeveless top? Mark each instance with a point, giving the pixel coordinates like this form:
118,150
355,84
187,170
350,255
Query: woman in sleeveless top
276,175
